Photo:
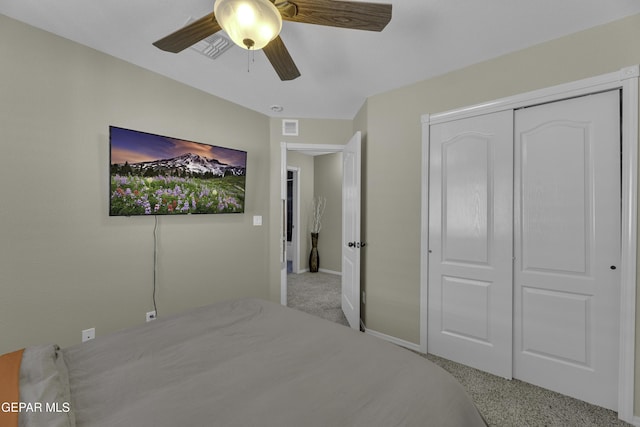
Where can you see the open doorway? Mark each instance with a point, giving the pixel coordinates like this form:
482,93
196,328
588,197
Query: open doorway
339,241
311,177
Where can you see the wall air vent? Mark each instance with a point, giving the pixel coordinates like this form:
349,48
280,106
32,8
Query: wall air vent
290,127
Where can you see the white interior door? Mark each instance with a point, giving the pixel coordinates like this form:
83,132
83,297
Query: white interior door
351,231
470,242
567,246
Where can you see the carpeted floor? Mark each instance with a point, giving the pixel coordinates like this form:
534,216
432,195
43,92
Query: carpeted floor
318,293
503,403
513,403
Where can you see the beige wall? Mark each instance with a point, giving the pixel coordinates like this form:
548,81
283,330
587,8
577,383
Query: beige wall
65,265
394,137
392,199
320,176
306,174
328,184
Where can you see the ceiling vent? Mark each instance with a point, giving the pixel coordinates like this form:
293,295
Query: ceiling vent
212,46
290,127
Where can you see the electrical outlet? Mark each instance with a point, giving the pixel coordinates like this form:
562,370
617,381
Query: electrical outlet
88,334
364,300
151,315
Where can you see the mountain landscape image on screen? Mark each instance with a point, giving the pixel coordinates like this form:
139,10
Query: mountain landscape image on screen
156,175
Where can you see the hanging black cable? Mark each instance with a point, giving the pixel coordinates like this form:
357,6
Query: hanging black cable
155,262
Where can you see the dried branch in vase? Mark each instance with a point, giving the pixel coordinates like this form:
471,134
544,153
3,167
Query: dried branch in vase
317,210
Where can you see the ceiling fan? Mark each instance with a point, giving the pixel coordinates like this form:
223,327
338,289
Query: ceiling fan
256,24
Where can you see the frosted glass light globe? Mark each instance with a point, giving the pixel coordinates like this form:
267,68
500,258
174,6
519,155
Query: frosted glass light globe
251,24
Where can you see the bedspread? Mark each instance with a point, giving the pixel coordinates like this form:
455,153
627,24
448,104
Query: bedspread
255,363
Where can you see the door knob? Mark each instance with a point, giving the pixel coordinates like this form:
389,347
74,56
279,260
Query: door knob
356,244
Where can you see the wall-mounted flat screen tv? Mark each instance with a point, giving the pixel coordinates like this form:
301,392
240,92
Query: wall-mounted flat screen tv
159,175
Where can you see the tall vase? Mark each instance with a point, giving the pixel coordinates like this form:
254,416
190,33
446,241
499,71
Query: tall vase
314,258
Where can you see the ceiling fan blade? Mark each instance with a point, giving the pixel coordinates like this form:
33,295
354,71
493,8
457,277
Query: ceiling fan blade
344,14
280,59
189,35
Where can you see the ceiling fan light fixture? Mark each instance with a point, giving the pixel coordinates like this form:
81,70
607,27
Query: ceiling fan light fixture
251,24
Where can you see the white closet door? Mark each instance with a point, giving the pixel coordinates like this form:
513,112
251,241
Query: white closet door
567,246
470,242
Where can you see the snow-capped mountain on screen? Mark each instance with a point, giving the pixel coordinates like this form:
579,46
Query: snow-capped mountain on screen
191,164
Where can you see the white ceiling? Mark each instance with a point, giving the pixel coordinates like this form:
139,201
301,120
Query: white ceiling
340,67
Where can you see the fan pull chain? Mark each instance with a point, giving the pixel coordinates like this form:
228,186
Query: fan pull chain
251,57
249,44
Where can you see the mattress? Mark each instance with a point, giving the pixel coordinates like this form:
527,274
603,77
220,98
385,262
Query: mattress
245,362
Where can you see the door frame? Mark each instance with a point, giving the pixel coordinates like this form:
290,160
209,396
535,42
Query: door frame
627,81
308,149
295,219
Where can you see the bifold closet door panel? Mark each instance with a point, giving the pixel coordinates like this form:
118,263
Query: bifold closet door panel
567,246
470,242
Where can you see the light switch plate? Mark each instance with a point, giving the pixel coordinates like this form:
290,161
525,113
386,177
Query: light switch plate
257,220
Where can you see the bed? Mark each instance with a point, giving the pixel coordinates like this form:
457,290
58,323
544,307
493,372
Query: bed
244,362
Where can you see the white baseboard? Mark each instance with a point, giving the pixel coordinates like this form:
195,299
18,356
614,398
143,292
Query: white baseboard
321,270
324,270
394,340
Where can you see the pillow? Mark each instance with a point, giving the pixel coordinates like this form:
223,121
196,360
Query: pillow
44,385
9,388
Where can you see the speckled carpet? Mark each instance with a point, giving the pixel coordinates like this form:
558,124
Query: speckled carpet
318,294
503,403
513,403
